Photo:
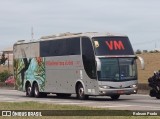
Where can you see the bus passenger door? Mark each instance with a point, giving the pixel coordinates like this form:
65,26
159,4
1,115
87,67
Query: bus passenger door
89,63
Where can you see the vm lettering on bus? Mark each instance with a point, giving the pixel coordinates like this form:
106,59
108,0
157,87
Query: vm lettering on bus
115,45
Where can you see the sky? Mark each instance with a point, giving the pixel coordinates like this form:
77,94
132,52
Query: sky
138,19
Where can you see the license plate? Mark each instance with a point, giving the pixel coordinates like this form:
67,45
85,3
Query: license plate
120,91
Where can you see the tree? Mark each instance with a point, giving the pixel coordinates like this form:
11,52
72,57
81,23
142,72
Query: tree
138,51
145,51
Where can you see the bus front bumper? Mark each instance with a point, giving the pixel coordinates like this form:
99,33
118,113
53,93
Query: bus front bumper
121,91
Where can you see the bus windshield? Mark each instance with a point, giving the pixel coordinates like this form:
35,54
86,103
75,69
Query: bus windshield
112,46
117,69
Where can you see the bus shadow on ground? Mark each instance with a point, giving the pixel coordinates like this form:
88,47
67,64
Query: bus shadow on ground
91,98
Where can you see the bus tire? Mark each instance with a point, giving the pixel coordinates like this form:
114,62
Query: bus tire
115,97
37,94
80,93
29,90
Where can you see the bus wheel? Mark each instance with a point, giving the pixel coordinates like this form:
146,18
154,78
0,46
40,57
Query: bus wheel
80,92
115,97
36,90
29,91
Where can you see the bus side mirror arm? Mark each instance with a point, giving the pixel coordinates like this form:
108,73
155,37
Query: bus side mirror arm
142,62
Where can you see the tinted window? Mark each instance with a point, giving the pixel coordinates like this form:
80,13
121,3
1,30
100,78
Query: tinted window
88,58
109,69
112,46
117,69
73,46
60,47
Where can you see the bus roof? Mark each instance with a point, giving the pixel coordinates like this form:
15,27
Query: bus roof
71,35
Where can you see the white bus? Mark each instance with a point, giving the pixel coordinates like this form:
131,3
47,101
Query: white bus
86,64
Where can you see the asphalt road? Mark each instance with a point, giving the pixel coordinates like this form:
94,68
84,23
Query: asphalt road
126,102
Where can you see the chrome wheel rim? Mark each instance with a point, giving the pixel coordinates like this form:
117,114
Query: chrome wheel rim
36,91
81,92
29,90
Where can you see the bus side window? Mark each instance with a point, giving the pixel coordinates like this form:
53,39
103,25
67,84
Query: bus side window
88,58
73,46
62,47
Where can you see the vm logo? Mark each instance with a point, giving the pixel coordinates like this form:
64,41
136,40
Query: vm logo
115,45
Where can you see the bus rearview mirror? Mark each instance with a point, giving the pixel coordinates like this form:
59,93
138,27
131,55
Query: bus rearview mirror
142,62
98,62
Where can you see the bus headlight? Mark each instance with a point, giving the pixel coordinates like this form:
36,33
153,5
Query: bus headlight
105,87
133,86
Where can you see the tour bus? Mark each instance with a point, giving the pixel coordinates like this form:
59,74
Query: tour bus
85,64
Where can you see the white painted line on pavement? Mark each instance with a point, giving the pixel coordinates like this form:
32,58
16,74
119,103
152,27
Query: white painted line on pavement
114,106
71,103
147,107
138,106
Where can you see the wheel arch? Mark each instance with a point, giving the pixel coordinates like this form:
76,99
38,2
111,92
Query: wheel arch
34,82
31,83
78,83
27,83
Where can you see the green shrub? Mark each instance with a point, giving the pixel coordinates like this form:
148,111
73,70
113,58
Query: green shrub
4,75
